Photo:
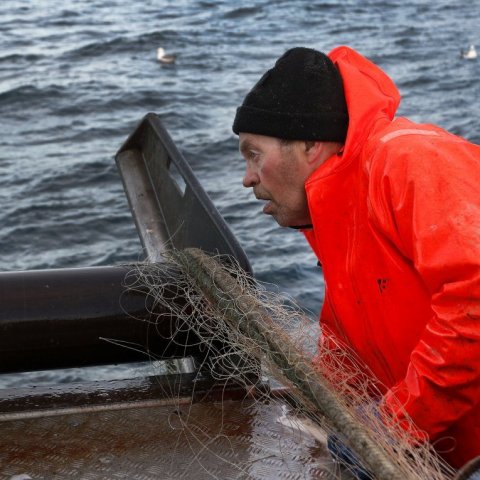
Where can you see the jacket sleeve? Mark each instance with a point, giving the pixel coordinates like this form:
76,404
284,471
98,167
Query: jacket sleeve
426,196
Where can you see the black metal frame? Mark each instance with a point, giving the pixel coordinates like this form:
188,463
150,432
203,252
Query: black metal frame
169,205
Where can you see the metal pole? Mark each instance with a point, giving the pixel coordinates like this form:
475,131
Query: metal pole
62,318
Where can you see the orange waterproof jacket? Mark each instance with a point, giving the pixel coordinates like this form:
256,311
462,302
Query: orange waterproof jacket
396,227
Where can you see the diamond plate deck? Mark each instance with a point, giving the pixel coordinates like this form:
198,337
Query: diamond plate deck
231,439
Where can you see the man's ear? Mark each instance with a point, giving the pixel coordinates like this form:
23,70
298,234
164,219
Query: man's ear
314,151
318,152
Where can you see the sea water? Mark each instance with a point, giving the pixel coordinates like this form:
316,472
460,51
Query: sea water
77,76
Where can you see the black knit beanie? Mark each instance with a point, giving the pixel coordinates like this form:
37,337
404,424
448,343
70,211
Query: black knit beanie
300,98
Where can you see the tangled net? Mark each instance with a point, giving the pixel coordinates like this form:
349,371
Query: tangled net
263,333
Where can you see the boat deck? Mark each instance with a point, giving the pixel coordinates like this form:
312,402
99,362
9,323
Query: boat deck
213,433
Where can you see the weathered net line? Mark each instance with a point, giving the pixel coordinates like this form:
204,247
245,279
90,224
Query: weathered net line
222,306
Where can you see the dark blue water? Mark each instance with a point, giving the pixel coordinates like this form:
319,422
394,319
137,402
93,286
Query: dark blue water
76,77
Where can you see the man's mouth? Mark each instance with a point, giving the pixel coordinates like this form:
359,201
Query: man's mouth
268,208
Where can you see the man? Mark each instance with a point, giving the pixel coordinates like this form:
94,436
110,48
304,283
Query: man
391,209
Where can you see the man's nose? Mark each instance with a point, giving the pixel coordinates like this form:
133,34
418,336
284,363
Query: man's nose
250,178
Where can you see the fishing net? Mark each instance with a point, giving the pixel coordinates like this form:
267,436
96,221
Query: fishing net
247,332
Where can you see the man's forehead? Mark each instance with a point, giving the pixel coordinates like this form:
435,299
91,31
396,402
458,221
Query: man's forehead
251,140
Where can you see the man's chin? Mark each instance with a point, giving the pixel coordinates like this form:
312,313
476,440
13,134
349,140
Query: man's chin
290,222
282,222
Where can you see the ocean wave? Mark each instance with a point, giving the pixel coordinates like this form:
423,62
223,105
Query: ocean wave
242,12
122,45
16,58
31,95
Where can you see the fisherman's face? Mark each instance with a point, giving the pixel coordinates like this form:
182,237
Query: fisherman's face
277,174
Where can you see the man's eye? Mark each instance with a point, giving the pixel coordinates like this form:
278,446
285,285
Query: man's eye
252,155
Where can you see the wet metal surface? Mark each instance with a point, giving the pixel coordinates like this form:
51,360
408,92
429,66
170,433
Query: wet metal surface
228,439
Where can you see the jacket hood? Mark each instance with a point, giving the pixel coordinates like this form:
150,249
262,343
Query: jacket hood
370,93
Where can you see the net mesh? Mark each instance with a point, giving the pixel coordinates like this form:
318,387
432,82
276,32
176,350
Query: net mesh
247,332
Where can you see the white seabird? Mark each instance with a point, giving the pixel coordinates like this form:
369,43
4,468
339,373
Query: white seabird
470,54
162,57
